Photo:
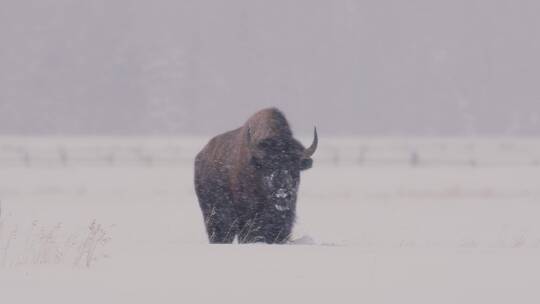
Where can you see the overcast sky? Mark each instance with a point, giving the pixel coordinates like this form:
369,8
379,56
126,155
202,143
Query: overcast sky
455,67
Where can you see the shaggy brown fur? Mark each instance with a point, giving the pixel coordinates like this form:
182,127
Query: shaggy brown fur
230,175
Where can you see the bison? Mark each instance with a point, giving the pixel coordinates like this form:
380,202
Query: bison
247,180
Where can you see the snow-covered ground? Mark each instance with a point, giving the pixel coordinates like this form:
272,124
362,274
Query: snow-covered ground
379,221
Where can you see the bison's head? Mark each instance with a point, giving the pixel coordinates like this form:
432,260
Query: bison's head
278,162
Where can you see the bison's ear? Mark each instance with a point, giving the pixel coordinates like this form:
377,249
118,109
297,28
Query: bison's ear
306,163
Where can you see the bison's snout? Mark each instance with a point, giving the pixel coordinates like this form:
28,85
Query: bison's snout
282,208
284,199
282,193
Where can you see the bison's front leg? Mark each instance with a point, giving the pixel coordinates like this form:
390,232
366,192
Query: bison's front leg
219,216
250,229
220,227
266,227
278,228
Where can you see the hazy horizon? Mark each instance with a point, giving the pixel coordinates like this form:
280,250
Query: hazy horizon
371,68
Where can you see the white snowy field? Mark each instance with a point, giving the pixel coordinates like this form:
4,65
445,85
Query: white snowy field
379,221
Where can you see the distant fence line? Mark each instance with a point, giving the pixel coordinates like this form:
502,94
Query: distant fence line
335,154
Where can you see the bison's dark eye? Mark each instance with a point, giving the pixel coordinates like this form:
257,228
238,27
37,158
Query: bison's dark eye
306,163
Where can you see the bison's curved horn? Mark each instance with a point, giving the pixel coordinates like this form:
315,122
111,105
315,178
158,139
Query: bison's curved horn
309,151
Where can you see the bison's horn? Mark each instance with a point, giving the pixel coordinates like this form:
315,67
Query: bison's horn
309,151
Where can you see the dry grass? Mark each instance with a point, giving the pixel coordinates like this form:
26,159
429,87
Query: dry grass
39,243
